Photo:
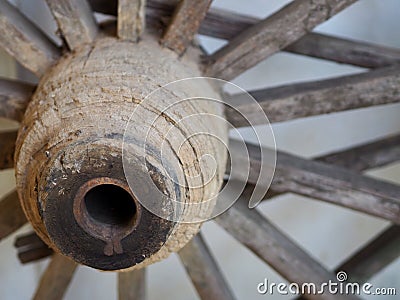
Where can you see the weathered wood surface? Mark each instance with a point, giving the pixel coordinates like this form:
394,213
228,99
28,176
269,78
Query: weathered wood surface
359,158
56,278
227,25
288,102
328,183
131,19
59,132
203,270
14,98
7,149
24,41
132,285
11,215
254,231
346,51
75,20
271,35
373,257
31,248
185,23
367,156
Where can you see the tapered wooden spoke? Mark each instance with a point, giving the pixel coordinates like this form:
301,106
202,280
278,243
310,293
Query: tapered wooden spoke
75,20
337,186
266,241
14,97
301,100
367,156
346,51
56,278
184,24
31,248
328,183
131,19
7,148
24,41
227,25
271,35
11,215
132,285
373,257
203,270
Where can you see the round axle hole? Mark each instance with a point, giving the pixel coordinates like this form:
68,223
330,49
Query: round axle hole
110,204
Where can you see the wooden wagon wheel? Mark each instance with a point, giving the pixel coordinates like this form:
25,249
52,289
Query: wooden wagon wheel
78,111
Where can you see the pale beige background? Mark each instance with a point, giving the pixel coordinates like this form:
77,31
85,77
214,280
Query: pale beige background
328,232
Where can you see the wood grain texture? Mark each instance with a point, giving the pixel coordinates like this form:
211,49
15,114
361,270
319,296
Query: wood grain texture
345,51
271,35
7,149
76,21
366,156
11,215
24,41
227,25
50,149
132,285
14,98
266,241
328,183
56,278
288,102
203,270
131,19
185,23
358,158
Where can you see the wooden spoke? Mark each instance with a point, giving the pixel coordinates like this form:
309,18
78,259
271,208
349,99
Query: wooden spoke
328,183
75,20
132,285
203,270
31,248
373,257
359,158
56,278
346,51
184,24
367,156
271,35
14,97
254,231
11,215
301,100
7,148
24,41
131,19
227,25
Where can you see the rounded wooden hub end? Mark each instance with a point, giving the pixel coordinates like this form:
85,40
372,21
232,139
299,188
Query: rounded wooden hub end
69,154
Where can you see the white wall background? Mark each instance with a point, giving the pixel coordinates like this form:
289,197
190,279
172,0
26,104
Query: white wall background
328,232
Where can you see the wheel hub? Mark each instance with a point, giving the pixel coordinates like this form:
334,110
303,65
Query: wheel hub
70,173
